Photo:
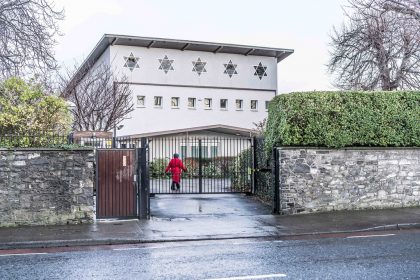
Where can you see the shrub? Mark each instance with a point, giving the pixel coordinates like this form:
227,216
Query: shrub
157,167
340,119
25,108
217,167
241,172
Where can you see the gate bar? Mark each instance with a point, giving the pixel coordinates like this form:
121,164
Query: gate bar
276,185
143,174
200,167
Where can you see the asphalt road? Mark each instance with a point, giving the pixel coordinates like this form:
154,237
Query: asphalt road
375,255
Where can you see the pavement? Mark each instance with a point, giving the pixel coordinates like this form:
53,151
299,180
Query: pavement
207,217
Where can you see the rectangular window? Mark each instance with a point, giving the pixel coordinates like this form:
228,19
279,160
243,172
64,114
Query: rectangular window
191,102
158,101
254,105
194,151
175,102
223,104
207,103
204,151
239,104
213,151
266,105
183,151
141,100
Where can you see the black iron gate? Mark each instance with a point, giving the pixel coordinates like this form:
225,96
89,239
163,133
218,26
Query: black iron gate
214,164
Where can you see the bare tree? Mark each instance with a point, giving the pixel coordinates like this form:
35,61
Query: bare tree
259,127
102,99
407,7
378,48
27,31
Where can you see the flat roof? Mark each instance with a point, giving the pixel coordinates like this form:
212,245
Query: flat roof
184,45
218,128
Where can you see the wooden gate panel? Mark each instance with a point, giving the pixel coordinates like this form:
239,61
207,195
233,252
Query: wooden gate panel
116,189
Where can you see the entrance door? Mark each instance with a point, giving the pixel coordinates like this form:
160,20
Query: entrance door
214,164
116,190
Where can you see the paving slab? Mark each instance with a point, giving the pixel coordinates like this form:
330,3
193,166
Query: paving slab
207,217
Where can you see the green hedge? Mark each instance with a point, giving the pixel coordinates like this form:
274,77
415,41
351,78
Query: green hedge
241,173
340,119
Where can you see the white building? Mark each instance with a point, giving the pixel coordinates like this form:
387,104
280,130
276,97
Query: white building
179,84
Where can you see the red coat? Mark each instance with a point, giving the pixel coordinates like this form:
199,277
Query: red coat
176,166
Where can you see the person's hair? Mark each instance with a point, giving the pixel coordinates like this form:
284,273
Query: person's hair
176,155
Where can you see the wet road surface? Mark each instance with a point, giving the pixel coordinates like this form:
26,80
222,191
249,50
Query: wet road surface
374,255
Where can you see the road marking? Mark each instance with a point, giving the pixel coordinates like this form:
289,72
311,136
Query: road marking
375,235
138,248
196,245
250,277
257,242
27,254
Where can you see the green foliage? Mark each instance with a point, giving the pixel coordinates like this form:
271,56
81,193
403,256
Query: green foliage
24,108
45,140
264,186
211,168
341,119
66,146
218,167
157,168
241,172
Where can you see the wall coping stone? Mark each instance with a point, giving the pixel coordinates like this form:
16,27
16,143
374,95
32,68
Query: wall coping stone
45,149
347,148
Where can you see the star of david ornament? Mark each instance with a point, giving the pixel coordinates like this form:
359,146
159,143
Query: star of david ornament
131,62
199,66
230,69
166,64
260,70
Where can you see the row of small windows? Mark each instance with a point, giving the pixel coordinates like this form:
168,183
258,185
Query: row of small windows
207,103
199,66
193,151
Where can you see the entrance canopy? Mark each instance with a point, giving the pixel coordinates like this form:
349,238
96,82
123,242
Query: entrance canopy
222,129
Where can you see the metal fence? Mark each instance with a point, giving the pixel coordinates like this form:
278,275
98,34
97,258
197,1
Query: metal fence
53,139
214,164
33,139
263,165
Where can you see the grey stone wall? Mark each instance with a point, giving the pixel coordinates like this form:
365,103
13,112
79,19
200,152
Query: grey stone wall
46,187
313,180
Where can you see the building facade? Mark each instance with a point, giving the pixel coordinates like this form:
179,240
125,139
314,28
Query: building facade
180,84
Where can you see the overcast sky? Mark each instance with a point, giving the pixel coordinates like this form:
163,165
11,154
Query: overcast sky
302,25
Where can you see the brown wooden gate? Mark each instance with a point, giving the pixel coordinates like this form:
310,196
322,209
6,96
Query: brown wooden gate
116,190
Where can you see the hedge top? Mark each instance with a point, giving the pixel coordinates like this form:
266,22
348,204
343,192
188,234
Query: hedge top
345,119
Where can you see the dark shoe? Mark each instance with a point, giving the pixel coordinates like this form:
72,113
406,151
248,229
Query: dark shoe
177,187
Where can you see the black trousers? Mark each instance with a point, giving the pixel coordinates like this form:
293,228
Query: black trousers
175,185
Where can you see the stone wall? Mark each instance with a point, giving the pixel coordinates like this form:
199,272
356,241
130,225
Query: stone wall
313,180
46,187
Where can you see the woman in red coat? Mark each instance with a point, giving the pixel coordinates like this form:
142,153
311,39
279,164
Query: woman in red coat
175,166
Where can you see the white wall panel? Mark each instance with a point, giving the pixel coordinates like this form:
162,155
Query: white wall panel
148,71
150,119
